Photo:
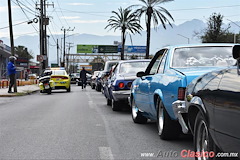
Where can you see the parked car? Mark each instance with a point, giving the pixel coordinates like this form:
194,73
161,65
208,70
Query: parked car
99,81
165,80
212,109
105,73
89,77
117,88
93,79
74,77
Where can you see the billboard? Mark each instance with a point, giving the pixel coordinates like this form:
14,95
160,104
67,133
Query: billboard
87,48
136,49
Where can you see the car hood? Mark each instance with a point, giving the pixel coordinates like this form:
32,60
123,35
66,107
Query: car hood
192,73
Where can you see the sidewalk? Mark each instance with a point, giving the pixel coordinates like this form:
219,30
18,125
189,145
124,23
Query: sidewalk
21,91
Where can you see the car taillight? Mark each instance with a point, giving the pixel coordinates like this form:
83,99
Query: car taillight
121,85
129,84
64,77
181,93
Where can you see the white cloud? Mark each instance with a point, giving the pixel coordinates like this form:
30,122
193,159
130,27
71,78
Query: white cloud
80,4
3,9
89,21
73,17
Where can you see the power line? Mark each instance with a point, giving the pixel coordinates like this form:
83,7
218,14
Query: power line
15,24
29,10
26,15
62,14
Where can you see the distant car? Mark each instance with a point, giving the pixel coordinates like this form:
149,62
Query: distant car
89,76
211,110
98,82
61,78
74,77
105,73
93,79
165,80
117,90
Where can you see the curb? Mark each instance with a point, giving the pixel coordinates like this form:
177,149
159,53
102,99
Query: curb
19,93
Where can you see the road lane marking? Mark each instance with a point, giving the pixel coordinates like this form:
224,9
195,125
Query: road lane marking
105,153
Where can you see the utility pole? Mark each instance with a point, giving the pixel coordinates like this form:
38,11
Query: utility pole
43,22
57,53
64,43
69,47
11,38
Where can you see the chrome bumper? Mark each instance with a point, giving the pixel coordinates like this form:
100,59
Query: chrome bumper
179,107
121,95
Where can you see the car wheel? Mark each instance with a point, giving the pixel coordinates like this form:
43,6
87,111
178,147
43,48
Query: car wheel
109,102
167,128
136,114
203,141
69,89
49,91
98,88
115,105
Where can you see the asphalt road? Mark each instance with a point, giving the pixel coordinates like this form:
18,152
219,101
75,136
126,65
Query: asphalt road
78,125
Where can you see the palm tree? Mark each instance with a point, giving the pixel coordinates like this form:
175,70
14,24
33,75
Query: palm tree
152,11
125,21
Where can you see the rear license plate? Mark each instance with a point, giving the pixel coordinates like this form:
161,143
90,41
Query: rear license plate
46,86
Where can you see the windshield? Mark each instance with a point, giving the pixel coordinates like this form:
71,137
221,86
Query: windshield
109,65
202,56
132,67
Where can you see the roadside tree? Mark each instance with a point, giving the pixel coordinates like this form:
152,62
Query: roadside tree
127,22
152,11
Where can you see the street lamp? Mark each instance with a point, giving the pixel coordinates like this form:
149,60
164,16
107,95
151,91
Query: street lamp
184,37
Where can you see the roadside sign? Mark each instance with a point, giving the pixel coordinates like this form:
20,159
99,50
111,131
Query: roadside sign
54,65
136,49
87,48
40,58
107,49
87,67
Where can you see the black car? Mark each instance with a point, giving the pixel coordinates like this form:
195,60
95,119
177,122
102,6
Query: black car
211,111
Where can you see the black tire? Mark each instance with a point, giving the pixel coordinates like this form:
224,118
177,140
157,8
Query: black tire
201,132
115,105
136,114
49,91
109,102
98,88
69,89
167,128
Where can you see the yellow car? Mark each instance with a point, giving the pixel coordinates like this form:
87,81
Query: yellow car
61,79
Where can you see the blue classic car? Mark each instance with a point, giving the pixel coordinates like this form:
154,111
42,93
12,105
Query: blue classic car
165,80
117,88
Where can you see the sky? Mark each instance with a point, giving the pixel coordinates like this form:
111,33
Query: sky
90,16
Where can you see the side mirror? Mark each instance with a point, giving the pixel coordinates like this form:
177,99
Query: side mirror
140,74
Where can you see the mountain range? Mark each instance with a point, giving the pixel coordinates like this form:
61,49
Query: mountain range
177,34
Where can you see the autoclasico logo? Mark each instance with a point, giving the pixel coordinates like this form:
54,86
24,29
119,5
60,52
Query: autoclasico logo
188,153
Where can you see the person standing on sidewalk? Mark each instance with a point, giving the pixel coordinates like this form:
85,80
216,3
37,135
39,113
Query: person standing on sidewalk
83,77
11,72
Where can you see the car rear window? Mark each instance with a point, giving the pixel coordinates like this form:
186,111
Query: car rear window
133,67
202,56
58,72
